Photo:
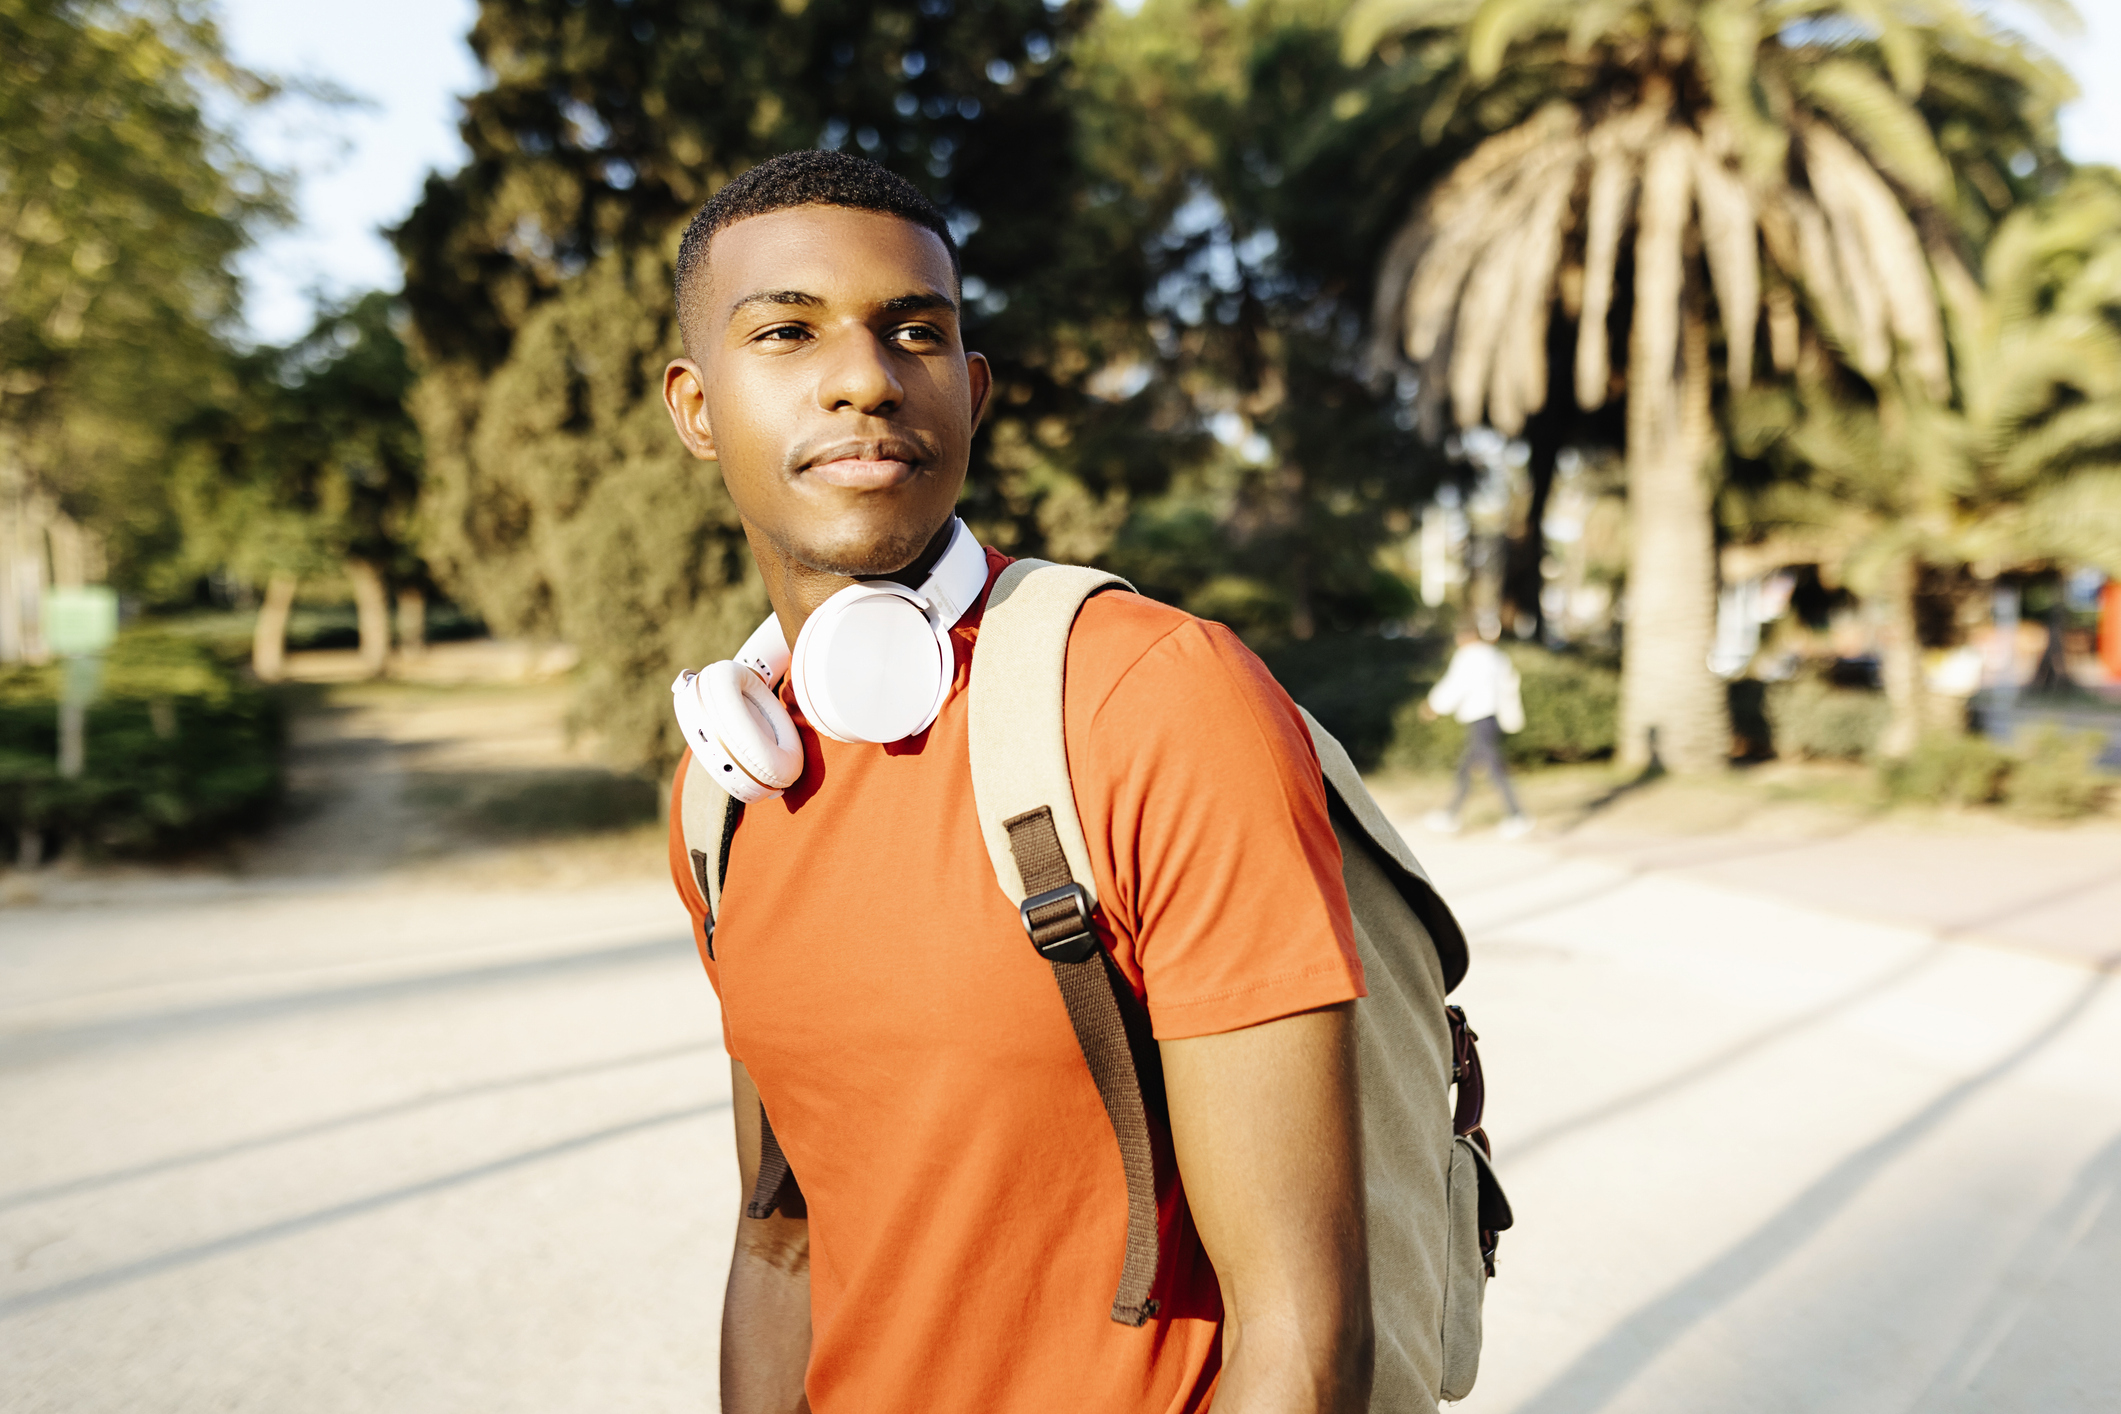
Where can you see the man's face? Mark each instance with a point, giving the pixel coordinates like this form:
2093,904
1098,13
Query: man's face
829,379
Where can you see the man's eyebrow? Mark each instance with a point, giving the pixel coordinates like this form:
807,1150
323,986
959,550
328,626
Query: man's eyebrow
913,304
774,297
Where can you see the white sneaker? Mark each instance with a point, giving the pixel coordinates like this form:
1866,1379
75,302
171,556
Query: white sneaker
1516,827
1440,822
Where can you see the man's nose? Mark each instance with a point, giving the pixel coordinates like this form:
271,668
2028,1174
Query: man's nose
858,376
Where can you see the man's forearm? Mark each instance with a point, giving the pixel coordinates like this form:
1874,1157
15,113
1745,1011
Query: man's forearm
766,1321
1295,1363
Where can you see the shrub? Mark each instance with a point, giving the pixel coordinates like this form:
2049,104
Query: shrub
1571,706
179,751
1811,718
1571,710
2056,776
1955,770
1356,684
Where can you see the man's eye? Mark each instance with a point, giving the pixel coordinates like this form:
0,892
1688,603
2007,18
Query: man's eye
918,336
785,333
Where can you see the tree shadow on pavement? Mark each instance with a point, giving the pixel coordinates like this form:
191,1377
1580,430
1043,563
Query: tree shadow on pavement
394,1110
34,1042
339,1212
1696,1072
2044,1339
1592,1379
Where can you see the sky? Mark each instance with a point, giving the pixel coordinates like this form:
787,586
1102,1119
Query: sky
362,167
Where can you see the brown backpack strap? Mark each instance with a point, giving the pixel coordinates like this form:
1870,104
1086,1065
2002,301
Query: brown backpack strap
1056,914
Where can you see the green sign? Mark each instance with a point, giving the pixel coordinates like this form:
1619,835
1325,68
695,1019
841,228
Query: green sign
79,622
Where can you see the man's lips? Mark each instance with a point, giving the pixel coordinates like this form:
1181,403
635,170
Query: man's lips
862,473
865,465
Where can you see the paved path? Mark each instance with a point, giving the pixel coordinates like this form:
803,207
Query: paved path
1769,1158
364,1149
362,1146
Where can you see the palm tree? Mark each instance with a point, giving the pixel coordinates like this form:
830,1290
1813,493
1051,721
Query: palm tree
2021,471
1742,173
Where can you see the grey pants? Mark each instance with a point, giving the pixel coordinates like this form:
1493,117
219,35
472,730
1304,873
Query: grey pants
1484,748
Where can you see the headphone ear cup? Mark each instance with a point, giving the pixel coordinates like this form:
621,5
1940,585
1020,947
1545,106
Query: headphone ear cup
735,724
869,666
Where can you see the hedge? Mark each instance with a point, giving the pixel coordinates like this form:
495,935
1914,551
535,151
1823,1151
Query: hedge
179,752
1571,713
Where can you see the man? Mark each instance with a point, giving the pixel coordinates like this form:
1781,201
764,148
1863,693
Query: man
1480,690
963,1210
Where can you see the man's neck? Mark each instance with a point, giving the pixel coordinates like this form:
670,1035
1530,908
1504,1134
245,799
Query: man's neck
795,590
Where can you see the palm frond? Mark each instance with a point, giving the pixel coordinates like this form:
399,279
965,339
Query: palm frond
1730,238
2063,441
1519,386
1498,23
1731,32
2076,520
1872,227
1594,21
1842,263
1481,320
1395,272
1369,22
1613,167
1882,122
1470,208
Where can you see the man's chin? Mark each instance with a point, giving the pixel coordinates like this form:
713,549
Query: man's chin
864,552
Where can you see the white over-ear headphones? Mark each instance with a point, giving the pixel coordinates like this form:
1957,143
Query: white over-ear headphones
872,664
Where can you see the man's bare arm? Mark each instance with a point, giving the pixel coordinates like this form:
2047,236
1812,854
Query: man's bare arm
1268,1130
766,1311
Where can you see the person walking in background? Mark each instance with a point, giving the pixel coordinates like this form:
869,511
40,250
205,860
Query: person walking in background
1480,690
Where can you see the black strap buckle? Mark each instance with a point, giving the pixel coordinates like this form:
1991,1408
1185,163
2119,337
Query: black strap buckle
1060,939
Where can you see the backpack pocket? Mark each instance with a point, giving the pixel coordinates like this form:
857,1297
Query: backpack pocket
1465,1272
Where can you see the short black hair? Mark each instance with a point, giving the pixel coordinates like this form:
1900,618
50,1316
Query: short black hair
808,178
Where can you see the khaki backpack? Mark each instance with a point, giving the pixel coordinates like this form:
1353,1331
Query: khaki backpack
1434,1206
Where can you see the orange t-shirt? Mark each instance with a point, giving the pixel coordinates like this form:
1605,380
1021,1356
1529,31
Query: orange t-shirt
967,1206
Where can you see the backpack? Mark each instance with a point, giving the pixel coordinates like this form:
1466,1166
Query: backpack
1434,1204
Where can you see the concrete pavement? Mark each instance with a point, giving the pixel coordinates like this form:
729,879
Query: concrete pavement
360,1149
1765,1157
390,1144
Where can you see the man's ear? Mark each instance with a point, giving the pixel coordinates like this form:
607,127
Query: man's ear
982,379
685,394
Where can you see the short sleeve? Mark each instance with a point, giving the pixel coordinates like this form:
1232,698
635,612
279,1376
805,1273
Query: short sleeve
1219,874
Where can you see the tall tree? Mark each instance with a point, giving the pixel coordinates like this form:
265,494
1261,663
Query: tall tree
538,279
1220,130
2021,471
309,465
123,201
1698,183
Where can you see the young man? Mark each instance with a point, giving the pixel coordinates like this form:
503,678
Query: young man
963,1211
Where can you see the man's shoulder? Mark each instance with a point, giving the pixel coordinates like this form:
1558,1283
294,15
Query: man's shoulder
1158,660
1121,636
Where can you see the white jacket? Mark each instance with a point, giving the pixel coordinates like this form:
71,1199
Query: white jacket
1481,682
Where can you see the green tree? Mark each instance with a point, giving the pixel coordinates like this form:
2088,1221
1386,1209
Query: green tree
122,204
1212,126
2021,470
538,280
1683,179
310,465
